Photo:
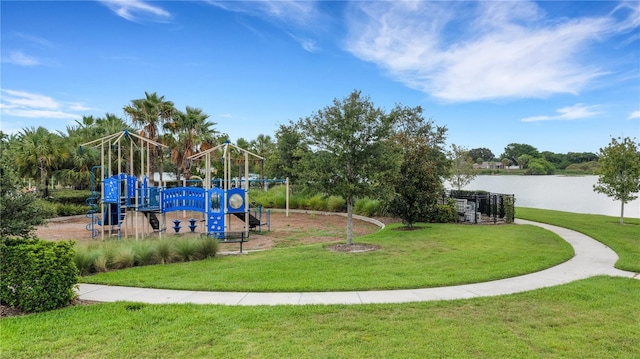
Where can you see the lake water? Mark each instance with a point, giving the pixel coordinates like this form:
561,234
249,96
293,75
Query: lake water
562,193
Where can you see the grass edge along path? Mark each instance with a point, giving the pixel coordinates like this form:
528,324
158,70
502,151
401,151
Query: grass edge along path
622,239
435,256
591,318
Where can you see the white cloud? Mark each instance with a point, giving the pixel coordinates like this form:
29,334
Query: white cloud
31,105
309,45
41,42
21,59
299,12
468,51
77,106
35,113
575,112
633,115
630,15
296,16
137,10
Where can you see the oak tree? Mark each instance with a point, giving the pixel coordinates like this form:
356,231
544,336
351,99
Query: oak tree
349,143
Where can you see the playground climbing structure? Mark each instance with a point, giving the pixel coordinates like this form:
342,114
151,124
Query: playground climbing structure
231,197
120,191
125,196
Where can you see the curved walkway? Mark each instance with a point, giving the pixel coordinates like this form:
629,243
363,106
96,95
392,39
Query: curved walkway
591,258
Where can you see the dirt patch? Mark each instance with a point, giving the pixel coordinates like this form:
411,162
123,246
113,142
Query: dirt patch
10,312
296,229
352,248
6,311
412,228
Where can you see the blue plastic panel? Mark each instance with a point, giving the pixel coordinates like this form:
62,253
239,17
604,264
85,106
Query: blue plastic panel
111,190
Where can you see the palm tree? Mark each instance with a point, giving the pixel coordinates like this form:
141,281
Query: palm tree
151,113
38,150
191,129
76,170
263,146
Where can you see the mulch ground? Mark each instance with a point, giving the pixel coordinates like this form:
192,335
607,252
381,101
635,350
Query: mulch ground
300,228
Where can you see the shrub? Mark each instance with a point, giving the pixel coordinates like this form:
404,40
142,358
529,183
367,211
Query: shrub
69,196
165,251
85,260
279,202
509,208
336,204
540,166
37,275
186,250
50,209
101,263
367,207
123,257
70,209
442,213
317,203
108,250
207,247
590,167
144,254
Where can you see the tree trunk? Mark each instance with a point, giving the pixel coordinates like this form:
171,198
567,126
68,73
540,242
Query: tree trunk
350,220
621,212
43,179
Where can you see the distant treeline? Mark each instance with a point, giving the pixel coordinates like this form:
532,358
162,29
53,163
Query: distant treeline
531,161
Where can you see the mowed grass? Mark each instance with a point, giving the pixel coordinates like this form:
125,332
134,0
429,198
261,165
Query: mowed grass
592,318
623,239
435,255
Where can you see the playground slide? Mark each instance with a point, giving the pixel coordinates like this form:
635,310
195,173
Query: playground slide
153,220
253,221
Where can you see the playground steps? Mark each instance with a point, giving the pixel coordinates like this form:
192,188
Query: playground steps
253,221
153,220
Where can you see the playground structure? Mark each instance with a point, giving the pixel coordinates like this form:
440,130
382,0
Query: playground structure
123,196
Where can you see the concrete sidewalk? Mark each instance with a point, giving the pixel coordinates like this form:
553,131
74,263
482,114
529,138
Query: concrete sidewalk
591,258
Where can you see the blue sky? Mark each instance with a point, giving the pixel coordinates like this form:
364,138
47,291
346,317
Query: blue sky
561,76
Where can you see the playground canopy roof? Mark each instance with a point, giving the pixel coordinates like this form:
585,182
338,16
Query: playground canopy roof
118,136
224,147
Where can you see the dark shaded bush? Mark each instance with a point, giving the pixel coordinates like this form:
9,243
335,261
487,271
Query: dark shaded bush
442,213
37,275
69,196
64,210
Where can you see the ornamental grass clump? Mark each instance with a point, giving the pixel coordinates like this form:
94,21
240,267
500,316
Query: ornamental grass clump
206,247
336,204
105,256
85,260
144,254
316,203
123,257
165,251
186,249
101,263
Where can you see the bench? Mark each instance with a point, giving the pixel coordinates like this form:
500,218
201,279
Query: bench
231,237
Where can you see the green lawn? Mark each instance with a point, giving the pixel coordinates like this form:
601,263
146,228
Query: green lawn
592,318
436,255
623,239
